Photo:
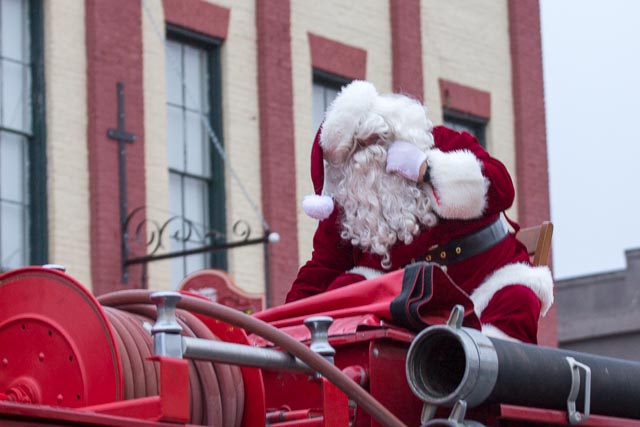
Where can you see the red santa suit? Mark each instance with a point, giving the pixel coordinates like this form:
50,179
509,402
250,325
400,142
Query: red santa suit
469,190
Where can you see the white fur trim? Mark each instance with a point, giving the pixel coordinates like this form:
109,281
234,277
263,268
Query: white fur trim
538,279
318,207
459,190
494,332
343,117
368,273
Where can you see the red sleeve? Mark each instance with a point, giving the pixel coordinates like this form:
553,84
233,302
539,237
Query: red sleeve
501,192
332,256
514,310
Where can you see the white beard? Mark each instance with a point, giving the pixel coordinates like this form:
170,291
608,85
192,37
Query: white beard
380,209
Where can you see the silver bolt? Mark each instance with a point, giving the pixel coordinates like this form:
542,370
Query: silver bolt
166,331
319,328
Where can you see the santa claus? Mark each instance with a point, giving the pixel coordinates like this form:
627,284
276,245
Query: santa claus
393,190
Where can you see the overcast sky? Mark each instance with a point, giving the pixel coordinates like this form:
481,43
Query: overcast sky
591,57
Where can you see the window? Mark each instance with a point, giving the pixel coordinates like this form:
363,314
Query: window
325,89
476,126
465,108
196,174
23,238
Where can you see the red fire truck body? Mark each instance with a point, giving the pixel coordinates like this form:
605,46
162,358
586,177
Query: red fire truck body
69,359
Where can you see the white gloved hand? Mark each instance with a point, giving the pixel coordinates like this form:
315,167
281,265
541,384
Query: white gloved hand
406,159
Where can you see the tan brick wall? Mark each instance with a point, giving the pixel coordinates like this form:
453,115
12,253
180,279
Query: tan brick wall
155,130
240,137
335,20
463,42
66,121
468,43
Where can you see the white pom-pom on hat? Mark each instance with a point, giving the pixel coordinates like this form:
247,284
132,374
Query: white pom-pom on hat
334,140
318,207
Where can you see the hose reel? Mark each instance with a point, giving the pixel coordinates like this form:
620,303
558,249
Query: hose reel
60,347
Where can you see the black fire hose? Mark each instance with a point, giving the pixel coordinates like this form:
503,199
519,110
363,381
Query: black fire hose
446,364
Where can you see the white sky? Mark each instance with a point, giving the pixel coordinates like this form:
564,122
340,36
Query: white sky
591,57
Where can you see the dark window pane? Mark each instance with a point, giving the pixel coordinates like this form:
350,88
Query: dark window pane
325,89
476,126
22,149
191,84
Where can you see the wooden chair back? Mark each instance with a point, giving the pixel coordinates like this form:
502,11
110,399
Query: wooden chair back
537,239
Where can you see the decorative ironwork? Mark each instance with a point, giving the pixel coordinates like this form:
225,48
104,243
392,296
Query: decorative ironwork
178,228
156,236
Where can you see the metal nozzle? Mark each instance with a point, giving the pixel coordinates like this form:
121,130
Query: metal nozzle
447,364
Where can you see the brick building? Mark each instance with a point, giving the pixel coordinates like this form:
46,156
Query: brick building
257,74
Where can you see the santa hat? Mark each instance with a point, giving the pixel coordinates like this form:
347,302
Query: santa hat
334,140
317,205
344,117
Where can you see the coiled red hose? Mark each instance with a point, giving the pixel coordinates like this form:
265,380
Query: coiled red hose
274,335
217,390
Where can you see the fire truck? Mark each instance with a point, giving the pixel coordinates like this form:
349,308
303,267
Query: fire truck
138,358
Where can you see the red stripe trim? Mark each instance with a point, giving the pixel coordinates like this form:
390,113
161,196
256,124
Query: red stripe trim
530,128
528,98
277,147
197,15
465,99
337,58
114,54
406,46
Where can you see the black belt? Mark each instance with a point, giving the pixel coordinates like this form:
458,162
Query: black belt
459,249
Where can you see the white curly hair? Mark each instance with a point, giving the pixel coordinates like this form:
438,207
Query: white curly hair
379,209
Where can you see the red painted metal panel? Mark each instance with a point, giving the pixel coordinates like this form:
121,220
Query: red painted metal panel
291,391
174,389
379,357
346,330
388,381
310,422
335,405
145,408
549,417
18,414
53,353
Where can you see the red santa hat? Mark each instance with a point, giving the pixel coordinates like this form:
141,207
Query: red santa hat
334,140
317,205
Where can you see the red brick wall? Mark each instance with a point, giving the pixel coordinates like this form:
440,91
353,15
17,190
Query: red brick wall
465,99
530,127
337,58
528,96
114,54
406,48
197,15
277,155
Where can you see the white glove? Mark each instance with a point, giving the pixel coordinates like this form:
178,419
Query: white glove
406,159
